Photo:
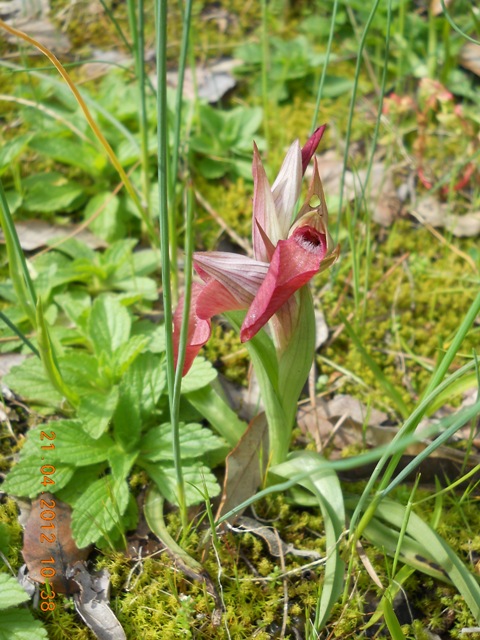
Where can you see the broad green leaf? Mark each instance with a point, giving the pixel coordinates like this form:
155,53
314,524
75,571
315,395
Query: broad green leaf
197,477
211,405
76,249
109,325
156,333
19,624
126,354
144,382
79,370
141,263
76,305
195,442
127,421
11,149
30,382
201,374
81,478
121,463
70,152
11,593
118,253
74,447
50,192
98,510
145,288
96,410
25,479
107,224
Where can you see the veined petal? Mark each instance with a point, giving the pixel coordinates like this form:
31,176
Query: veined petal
199,330
214,299
294,263
311,145
240,275
264,212
286,187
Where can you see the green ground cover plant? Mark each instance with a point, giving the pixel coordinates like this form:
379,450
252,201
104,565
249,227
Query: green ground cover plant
105,334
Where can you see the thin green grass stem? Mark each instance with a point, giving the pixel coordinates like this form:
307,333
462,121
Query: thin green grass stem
401,34
19,333
348,134
432,44
187,19
403,528
407,429
137,35
265,68
19,273
376,133
114,21
455,26
325,66
162,136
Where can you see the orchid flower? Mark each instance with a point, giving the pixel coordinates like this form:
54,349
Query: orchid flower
287,254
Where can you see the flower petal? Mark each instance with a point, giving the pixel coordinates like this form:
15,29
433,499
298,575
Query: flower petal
286,187
215,299
264,212
311,145
199,330
240,275
294,263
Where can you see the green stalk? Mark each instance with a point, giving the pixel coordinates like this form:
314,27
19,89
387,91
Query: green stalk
19,333
432,45
18,268
325,66
352,110
265,66
137,33
401,33
162,135
187,18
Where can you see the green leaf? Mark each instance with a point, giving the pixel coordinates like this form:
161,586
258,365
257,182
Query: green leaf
201,374
4,538
121,463
324,484
11,149
209,403
49,359
76,305
392,621
80,370
194,475
128,352
96,411
70,152
50,192
11,593
145,381
109,325
107,224
19,624
25,479
195,441
81,478
73,446
29,381
98,510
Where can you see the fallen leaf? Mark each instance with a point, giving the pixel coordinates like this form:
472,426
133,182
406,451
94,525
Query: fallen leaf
431,211
245,466
42,542
9,360
469,57
436,6
276,546
33,17
92,602
212,81
34,234
380,192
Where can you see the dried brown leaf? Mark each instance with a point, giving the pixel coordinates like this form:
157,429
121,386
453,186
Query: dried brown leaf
41,541
245,466
470,57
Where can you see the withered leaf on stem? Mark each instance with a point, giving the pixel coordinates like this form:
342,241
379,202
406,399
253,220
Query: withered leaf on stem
41,542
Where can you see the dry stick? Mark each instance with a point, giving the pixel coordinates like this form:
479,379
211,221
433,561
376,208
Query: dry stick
221,223
91,121
49,112
386,275
444,241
